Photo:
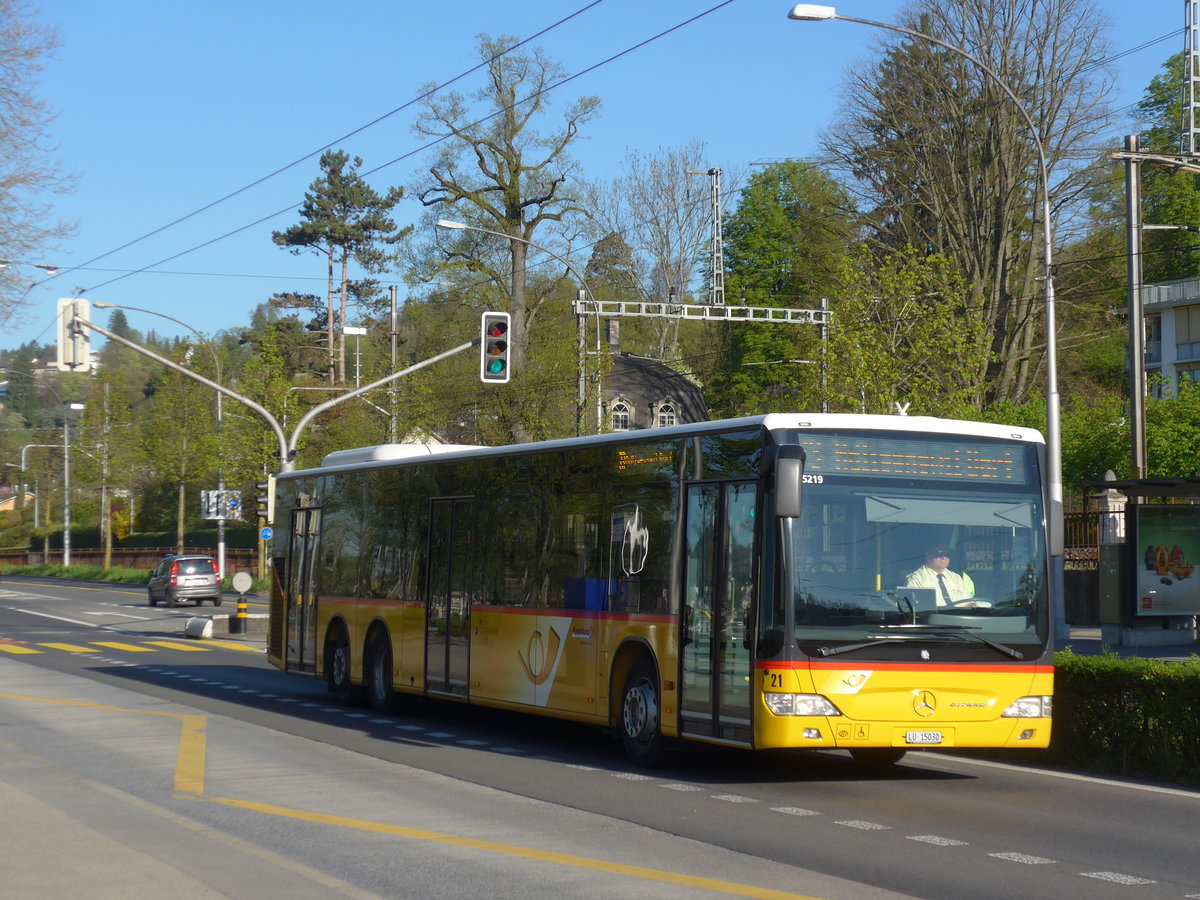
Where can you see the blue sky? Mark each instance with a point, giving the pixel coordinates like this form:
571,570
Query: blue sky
165,108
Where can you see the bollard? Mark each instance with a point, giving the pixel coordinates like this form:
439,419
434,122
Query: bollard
241,584
237,625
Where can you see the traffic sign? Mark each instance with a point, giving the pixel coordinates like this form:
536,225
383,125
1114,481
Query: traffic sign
266,533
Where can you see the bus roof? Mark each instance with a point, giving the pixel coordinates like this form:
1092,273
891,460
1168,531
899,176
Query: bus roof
381,455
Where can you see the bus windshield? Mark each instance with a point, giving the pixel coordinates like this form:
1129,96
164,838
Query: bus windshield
886,558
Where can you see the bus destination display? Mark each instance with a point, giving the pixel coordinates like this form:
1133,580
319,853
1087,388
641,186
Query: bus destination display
889,457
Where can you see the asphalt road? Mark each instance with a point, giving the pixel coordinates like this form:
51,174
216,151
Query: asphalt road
135,759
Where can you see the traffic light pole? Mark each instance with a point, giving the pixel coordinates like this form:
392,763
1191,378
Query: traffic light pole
321,407
287,447
285,461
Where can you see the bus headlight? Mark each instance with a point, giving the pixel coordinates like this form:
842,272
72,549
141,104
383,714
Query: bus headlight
1029,708
800,705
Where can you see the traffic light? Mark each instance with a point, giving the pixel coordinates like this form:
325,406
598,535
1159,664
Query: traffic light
494,345
74,340
266,499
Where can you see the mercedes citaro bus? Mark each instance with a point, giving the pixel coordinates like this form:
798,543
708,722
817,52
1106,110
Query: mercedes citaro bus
743,582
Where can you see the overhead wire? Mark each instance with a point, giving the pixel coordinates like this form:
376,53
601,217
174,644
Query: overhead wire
378,119
361,128
430,144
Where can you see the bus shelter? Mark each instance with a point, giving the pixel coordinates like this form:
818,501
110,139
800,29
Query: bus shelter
1148,530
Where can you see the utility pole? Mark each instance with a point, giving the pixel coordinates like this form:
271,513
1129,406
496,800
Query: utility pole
393,431
1137,337
716,292
1191,76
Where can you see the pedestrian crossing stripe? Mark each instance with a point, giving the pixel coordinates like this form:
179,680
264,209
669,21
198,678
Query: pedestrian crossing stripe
174,645
69,648
118,645
144,647
234,645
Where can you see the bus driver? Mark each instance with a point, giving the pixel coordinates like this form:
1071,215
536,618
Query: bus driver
952,588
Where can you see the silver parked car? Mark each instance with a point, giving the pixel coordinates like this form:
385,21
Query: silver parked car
185,578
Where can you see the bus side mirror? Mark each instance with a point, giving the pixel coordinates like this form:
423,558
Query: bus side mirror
789,475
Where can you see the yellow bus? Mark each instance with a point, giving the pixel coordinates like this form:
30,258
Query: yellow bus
753,582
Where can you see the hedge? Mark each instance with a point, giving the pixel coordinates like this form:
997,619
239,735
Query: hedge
1131,717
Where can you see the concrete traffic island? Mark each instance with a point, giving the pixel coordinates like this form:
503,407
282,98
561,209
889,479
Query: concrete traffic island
201,627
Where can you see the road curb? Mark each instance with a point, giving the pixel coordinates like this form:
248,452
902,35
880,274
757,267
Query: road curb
202,627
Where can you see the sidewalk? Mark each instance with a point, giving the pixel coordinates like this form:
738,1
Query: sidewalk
1090,642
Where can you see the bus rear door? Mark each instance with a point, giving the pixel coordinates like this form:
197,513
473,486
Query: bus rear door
301,591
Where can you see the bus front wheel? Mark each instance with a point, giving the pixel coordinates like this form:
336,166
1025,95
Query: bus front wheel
641,727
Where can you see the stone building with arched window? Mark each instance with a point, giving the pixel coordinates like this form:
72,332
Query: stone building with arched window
643,393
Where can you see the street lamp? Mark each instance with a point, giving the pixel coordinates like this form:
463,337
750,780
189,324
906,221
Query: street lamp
67,485
220,447
808,12
66,463
584,292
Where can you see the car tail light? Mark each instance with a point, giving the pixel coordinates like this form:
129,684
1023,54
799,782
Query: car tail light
174,572
216,570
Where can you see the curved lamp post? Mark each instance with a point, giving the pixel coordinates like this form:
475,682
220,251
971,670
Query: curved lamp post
584,292
808,12
220,447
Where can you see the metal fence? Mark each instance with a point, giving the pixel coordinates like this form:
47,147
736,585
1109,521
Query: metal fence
236,559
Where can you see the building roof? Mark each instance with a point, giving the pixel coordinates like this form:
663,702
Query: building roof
644,382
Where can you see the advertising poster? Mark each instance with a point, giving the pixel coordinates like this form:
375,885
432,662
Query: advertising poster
1168,550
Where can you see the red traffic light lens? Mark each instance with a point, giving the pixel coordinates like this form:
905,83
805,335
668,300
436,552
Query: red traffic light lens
497,329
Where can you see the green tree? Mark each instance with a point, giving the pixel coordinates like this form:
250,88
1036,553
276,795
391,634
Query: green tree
496,171
904,333
265,378
179,437
1169,196
108,456
343,219
946,162
784,246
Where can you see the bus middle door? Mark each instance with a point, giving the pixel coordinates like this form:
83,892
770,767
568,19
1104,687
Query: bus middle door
447,604
716,677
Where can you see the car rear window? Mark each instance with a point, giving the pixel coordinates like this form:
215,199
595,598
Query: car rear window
196,567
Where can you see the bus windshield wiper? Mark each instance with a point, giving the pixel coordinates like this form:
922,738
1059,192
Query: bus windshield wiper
971,634
874,642
911,632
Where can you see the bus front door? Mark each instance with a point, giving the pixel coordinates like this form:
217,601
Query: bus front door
301,587
447,606
716,675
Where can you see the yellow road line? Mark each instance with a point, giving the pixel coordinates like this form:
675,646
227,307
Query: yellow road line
533,853
189,781
132,648
234,645
17,648
189,761
69,648
176,645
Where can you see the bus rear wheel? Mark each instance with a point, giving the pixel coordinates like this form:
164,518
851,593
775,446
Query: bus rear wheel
380,695
641,727
337,669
